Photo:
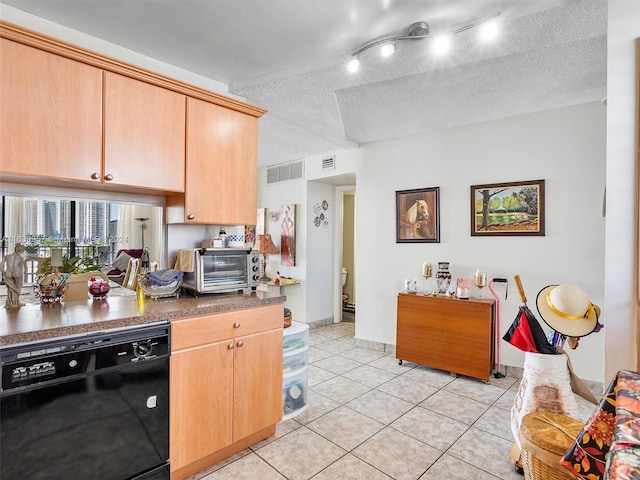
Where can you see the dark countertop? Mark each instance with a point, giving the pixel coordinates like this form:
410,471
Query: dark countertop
39,322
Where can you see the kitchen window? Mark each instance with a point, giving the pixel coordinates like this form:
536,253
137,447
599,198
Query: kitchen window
82,228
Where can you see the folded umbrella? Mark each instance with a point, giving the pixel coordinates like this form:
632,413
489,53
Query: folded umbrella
525,332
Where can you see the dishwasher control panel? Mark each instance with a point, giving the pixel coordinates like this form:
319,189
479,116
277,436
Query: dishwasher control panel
66,358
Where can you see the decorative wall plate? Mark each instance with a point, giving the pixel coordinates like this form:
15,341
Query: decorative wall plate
325,205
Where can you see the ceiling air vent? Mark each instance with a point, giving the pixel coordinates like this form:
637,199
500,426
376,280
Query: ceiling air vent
329,164
286,171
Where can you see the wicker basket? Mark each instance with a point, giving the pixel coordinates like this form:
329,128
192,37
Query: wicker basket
50,294
545,437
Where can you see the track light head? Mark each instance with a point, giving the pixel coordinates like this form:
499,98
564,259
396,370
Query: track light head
440,45
388,49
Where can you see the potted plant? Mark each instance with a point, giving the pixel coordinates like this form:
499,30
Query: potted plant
70,265
77,271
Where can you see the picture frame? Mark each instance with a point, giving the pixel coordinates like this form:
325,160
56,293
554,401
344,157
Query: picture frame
261,215
288,236
508,209
418,215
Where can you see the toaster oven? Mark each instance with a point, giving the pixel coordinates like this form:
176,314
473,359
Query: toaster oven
218,270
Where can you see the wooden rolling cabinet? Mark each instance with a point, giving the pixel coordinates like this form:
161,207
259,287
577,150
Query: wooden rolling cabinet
221,167
447,333
225,385
144,134
51,115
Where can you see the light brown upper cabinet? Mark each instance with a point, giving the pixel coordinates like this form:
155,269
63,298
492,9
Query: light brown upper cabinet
71,117
144,134
221,167
50,115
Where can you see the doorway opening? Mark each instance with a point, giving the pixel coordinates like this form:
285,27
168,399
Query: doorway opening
348,256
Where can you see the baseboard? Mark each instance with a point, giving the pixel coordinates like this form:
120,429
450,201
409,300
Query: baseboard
321,323
379,346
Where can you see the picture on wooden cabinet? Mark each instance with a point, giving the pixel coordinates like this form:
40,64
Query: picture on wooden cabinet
418,215
514,208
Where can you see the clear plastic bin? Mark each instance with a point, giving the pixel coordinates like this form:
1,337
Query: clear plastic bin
294,360
296,336
294,393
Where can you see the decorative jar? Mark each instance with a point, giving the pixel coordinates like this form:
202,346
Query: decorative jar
98,288
443,278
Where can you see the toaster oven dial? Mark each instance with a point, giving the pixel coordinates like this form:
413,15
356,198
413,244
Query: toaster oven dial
255,259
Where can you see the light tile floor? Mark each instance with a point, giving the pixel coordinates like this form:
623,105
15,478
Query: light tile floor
369,418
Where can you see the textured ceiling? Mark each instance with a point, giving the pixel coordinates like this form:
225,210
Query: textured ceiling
289,56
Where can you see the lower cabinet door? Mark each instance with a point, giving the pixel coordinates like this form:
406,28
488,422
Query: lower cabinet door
257,382
201,402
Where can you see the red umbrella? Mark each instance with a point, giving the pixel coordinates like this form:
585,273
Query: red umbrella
525,332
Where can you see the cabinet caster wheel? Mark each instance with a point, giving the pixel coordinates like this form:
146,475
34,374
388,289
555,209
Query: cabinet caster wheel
399,362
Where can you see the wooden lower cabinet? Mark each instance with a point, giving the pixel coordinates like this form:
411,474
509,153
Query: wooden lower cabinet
447,333
225,385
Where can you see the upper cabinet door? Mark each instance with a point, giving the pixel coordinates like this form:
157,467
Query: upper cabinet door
144,134
50,114
222,165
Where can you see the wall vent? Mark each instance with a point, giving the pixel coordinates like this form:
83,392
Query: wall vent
328,164
285,171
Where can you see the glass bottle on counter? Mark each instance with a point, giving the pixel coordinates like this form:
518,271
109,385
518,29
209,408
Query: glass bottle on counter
443,278
222,235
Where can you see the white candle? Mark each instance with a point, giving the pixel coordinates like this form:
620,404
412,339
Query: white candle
56,257
427,270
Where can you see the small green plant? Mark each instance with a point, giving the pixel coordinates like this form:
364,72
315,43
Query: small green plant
31,248
70,265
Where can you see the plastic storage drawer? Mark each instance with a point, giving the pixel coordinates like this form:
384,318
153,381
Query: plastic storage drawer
294,393
294,360
296,336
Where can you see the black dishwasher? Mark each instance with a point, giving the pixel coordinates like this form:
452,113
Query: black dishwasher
87,407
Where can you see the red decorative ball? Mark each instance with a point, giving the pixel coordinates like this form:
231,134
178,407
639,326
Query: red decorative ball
99,288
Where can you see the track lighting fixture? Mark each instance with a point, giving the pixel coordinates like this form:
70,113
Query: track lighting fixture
420,31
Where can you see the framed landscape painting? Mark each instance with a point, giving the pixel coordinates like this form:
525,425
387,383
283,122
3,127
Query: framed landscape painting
418,215
514,208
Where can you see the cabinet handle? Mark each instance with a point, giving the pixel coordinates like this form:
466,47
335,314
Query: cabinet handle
240,343
95,176
191,216
108,177
236,325
230,346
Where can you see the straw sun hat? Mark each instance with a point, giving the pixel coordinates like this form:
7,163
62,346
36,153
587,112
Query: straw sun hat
568,310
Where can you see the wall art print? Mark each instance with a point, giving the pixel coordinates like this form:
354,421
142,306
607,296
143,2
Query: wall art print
511,208
260,221
320,211
418,215
288,236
